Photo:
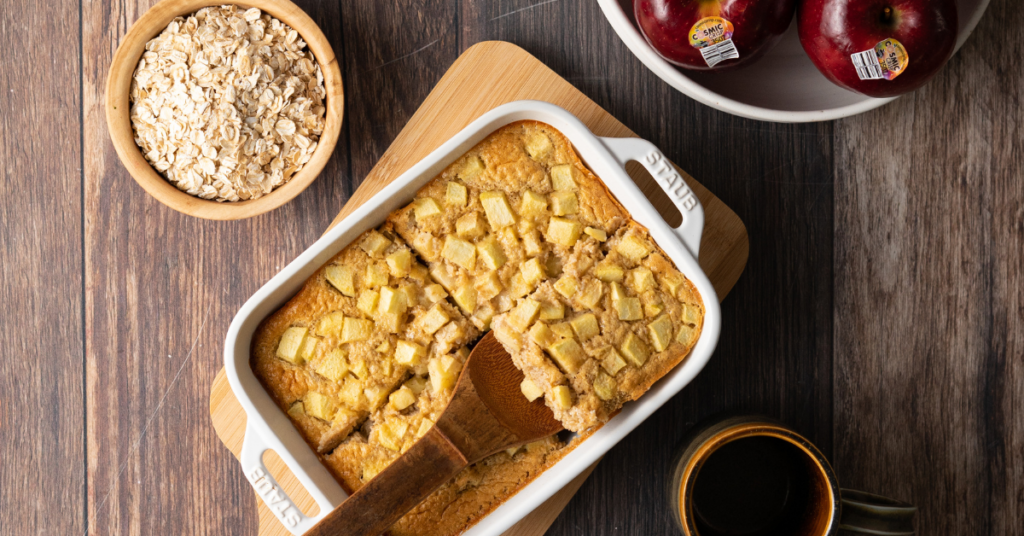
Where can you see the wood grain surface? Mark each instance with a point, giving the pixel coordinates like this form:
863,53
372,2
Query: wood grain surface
880,313
42,475
929,292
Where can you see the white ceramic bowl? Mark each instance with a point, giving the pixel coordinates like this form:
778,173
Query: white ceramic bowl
783,86
268,428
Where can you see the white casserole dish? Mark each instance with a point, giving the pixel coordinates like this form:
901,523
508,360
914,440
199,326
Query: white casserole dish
268,428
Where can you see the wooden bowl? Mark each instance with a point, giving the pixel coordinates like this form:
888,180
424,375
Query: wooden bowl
120,126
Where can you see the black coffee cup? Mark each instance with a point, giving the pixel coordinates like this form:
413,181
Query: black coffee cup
753,476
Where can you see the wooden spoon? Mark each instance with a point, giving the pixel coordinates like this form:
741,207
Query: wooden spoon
487,414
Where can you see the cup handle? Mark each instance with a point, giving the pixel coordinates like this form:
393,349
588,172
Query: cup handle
866,513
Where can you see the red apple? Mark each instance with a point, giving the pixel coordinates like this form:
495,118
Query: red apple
695,34
898,44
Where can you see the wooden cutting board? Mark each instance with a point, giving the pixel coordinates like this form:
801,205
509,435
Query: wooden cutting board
485,76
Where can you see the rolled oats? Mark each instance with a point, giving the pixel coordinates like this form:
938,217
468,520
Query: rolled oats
227,104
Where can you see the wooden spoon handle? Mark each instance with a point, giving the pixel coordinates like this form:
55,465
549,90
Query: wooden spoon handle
371,510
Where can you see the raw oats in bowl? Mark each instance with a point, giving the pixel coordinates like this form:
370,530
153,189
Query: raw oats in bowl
224,111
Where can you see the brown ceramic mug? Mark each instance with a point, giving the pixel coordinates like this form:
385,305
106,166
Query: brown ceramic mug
755,476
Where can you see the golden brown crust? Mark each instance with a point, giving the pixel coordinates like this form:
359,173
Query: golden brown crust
481,265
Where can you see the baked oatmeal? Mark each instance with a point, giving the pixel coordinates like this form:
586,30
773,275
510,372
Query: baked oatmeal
517,236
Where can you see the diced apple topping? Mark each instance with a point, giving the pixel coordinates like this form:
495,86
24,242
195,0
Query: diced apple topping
415,384
568,354
426,245
633,248
333,366
605,386
356,329
653,309
552,311
532,244
566,286
672,281
402,398
376,275
661,332
562,177
530,390
471,225
296,409
635,350
508,238
563,232
489,285
391,322
491,254
435,293
459,252
400,262
368,301
520,287
291,342
564,203
448,335
456,195
499,212
613,362
424,208
542,335
441,275
374,244
686,334
533,271
473,166
590,295
352,393
342,278
410,293
432,320
563,330
330,323
392,433
523,315
383,347
444,372
308,347
465,298
691,314
538,145
585,327
596,234
533,205
617,292
562,397
409,353
392,301
319,406
482,316
425,426
641,279
418,272
357,366
628,309
375,396
609,271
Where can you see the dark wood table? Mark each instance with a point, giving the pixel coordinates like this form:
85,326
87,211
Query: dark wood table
881,312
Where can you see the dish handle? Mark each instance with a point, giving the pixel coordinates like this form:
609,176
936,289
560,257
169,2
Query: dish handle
671,182
272,494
